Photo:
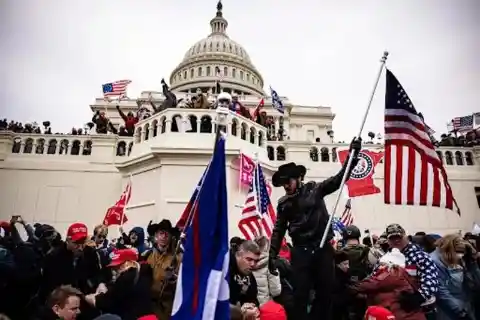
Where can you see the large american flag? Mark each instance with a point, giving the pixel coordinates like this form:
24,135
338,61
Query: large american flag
414,173
116,88
463,123
347,217
258,215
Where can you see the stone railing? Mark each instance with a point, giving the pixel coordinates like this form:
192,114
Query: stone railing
305,152
202,121
52,144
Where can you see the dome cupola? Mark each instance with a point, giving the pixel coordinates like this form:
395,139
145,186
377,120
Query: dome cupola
217,57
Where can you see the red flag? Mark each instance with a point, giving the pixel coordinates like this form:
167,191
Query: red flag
116,214
257,109
247,166
361,180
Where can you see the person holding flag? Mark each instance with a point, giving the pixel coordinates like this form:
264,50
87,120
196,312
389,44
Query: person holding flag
303,212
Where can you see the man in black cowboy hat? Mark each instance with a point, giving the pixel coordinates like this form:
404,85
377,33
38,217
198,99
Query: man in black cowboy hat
303,212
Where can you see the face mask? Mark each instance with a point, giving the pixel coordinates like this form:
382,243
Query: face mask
460,256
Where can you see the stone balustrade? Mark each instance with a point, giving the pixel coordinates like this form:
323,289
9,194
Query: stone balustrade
195,121
201,121
281,151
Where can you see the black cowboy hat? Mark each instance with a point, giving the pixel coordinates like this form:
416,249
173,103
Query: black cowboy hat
287,171
164,225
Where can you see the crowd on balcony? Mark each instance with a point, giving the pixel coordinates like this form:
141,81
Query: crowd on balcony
35,128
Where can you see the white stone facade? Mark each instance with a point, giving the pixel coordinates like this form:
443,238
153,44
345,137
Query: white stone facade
60,179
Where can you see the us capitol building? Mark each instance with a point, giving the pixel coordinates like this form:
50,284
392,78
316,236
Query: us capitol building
60,179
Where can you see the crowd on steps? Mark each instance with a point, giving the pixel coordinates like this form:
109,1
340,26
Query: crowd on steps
89,275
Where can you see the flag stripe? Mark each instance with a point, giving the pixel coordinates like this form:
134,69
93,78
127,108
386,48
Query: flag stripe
414,173
258,214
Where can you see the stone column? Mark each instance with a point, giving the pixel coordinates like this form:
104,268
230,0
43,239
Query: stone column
103,148
6,144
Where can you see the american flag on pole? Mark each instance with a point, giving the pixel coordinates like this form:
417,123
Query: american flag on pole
463,123
347,218
414,173
116,88
258,215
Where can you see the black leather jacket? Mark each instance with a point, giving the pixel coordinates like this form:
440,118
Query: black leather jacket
304,214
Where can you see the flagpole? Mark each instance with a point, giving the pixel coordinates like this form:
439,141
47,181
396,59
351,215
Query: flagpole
256,183
350,159
221,122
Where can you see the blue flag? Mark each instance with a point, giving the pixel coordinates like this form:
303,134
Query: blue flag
337,225
202,286
277,103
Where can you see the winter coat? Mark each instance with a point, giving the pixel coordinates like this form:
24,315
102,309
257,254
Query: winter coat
243,288
453,296
384,289
268,285
129,297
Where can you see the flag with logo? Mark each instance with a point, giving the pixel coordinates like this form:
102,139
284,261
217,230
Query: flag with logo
202,287
361,181
115,215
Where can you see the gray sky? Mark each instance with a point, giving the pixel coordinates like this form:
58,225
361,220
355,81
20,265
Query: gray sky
56,54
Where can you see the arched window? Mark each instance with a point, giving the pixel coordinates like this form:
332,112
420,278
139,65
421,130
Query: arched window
28,146
208,71
459,158
334,154
192,73
448,158
200,71
206,124
234,127
121,148
17,145
440,155
324,155
234,73
75,151
253,133
243,134
469,158
281,153
271,153
52,146
225,71
314,154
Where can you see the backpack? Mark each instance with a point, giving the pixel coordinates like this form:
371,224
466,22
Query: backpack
358,260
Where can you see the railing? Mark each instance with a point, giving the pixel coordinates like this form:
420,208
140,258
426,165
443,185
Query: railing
280,151
52,144
198,121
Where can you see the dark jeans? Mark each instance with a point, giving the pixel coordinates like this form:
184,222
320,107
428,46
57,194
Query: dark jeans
313,268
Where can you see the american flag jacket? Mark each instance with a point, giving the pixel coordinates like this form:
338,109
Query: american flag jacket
420,265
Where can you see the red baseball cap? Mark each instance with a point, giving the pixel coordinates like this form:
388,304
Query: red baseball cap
123,255
77,231
378,313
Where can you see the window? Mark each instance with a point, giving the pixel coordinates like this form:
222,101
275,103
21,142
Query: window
200,71
234,73
225,71
191,73
208,71
184,74
248,77
310,135
477,193
241,75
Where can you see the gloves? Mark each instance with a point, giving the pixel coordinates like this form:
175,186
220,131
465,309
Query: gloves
355,146
410,301
271,266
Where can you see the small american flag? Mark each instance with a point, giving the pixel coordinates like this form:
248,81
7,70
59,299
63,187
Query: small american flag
414,173
258,215
463,123
116,88
347,217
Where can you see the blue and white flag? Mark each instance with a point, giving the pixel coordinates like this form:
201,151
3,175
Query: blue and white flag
202,287
276,101
337,225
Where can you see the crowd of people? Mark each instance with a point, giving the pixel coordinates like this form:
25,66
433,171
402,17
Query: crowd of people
87,276
35,128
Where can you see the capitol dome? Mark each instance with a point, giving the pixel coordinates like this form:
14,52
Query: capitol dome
217,52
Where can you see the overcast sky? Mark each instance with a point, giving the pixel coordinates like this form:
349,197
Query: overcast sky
55,54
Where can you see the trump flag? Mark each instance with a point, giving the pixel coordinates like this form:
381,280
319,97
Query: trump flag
202,286
361,179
